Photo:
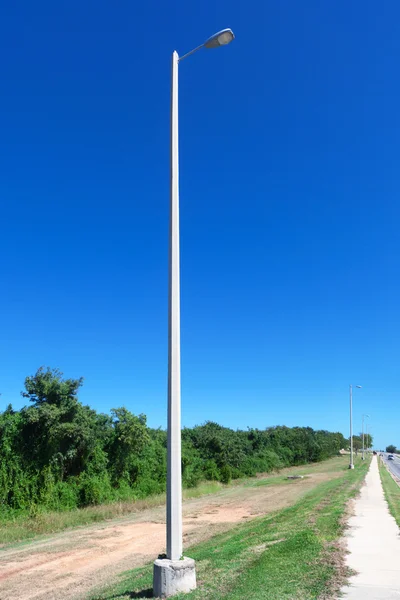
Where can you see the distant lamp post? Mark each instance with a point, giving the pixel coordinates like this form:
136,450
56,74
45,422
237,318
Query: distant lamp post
368,436
176,574
363,449
351,465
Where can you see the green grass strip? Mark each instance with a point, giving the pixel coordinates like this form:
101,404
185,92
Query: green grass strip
289,555
392,492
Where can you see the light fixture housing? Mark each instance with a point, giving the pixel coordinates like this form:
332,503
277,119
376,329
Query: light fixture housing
222,38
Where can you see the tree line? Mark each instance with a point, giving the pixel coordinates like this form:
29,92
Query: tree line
58,454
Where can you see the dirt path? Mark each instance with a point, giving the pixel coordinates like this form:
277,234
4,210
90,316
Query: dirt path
71,564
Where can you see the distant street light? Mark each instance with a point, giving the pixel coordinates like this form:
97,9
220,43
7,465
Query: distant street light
173,575
368,435
363,450
351,465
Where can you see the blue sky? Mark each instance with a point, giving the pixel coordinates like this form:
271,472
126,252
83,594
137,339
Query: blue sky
289,207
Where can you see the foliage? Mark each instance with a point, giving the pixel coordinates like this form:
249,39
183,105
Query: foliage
368,440
58,454
391,449
358,442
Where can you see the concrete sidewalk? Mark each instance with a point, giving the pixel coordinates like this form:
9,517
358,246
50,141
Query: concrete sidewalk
374,545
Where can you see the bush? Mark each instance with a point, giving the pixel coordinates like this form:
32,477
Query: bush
211,471
226,474
94,489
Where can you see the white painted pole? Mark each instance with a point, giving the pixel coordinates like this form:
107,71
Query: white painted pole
174,476
363,452
351,465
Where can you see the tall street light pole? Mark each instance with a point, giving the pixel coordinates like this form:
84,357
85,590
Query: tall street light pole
351,465
172,575
368,436
363,449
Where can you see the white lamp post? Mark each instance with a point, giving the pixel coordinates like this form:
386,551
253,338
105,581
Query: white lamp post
173,575
363,451
368,434
351,465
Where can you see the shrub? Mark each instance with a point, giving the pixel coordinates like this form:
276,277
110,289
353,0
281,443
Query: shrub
226,474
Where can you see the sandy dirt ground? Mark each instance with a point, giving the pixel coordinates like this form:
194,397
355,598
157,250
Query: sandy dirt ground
72,564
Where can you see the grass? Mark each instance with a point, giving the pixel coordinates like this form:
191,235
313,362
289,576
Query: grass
24,527
391,490
292,554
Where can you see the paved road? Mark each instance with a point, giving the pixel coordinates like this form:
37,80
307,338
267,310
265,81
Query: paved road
394,465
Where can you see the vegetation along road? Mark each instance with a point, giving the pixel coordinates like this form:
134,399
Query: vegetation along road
391,489
63,465
73,563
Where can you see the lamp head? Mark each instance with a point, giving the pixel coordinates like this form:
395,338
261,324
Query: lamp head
222,38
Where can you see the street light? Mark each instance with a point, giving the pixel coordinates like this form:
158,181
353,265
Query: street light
222,38
351,465
363,451
368,435
173,575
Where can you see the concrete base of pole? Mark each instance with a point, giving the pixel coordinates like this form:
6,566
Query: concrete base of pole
351,466
171,577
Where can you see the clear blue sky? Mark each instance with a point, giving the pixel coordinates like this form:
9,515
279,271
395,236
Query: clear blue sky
290,188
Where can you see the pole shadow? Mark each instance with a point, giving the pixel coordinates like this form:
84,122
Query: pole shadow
148,593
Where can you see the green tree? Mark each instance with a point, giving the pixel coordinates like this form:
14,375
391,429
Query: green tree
368,440
129,438
57,430
357,443
47,386
391,449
